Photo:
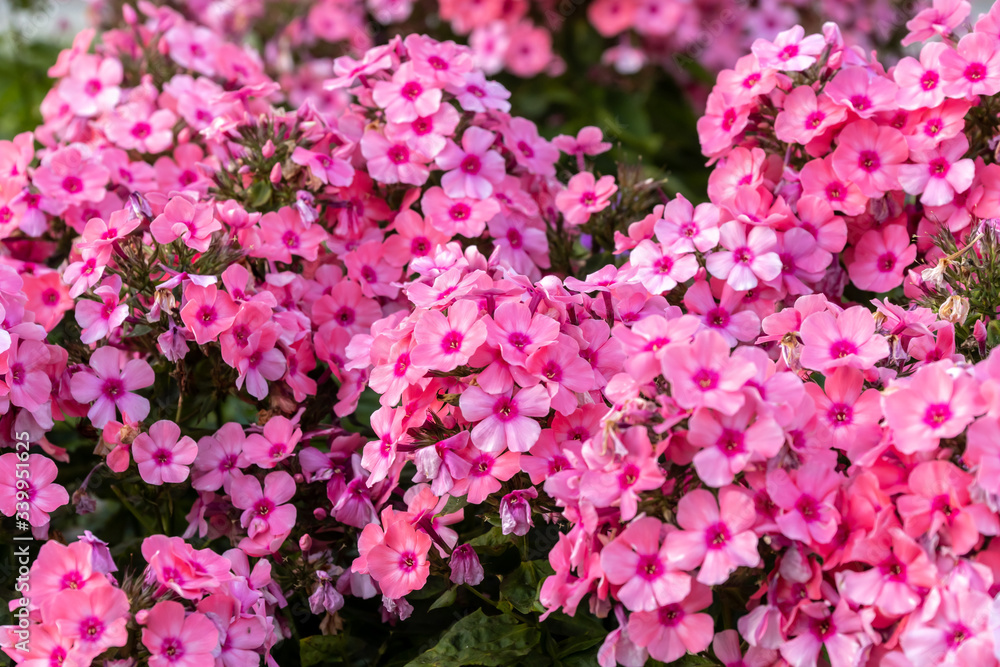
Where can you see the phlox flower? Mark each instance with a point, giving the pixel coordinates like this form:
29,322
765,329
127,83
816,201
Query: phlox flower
869,155
726,646
374,270
445,62
139,127
444,343
638,560
277,442
70,176
895,584
686,228
820,181
396,557
218,455
518,333
953,630
847,412
259,362
99,318
408,96
807,497
462,215
862,91
920,83
110,387
26,377
505,419
393,161
330,170
347,307
939,19
284,234
192,222
530,151
43,494
379,456
207,311
675,629
585,195
477,94
93,85
939,173
174,640
620,484
847,339
47,647
728,316
747,258
728,443
428,135
267,515
703,374
59,568
973,68
95,618
163,456
485,471
806,116
724,118
715,535
660,269
791,50
937,402
842,632
561,370
398,372
472,169
881,257
588,141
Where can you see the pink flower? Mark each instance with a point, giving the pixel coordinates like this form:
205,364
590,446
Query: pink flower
280,437
445,343
393,161
27,378
847,412
505,419
881,257
937,20
472,169
747,258
686,228
207,311
99,318
397,557
869,155
163,455
176,641
408,95
68,176
518,333
194,223
92,87
218,456
791,50
939,173
61,568
702,374
329,170
35,481
110,386
461,215
842,633
638,562
848,339
660,269
259,362
919,81
729,443
562,371
937,402
588,141
285,234
896,583
95,618
136,126
806,116
675,629
974,68
862,91
266,516
821,182
717,536
585,195
485,472
807,501
531,151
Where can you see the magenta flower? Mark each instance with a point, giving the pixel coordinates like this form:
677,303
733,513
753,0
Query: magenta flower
584,195
869,155
43,494
393,161
518,333
675,629
974,68
266,516
841,632
472,170
747,258
99,318
110,387
505,419
703,374
898,577
445,343
807,500
398,558
848,413
29,383
194,223
408,95
163,456
638,562
717,536
95,618
176,641
848,339
729,443
218,456
207,311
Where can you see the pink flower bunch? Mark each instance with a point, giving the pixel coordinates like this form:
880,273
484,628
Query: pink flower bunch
194,607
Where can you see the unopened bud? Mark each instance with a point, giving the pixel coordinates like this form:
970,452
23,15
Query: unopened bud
954,309
465,566
515,512
275,176
267,150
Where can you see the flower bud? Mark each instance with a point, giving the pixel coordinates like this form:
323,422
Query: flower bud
326,597
319,514
275,176
305,543
954,309
100,555
465,566
267,150
515,512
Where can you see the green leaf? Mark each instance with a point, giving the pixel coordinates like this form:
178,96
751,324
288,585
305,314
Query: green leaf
575,645
493,542
260,194
520,587
329,650
446,600
479,639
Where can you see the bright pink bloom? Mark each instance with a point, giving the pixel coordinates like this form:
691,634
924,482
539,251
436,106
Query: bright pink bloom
267,515
896,582
92,86
444,343
848,339
881,257
841,632
218,456
285,234
207,312
27,378
110,386
869,155
937,402
192,222
163,455
43,495
660,269
939,173
919,81
95,617
806,116
176,641
260,362
462,215
637,561
847,412
473,170
940,19
953,631
675,629
69,176
518,333
807,497
505,420
408,95
397,557
393,161
974,68
280,437
791,50
819,180
862,91
329,170
702,374
99,318
61,568
729,443
588,141
716,535
585,195
747,258
686,228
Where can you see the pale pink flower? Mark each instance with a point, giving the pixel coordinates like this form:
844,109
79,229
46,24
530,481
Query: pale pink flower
728,443
881,257
806,116
444,343
174,640
747,258
110,386
393,161
715,535
192,222
472,169
937,402
163,455
638,560
584,195
43,494
675,629
869,155
267,514
791,50
95,618
920,83
408,96
974,68
505,419
939,173
848,339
